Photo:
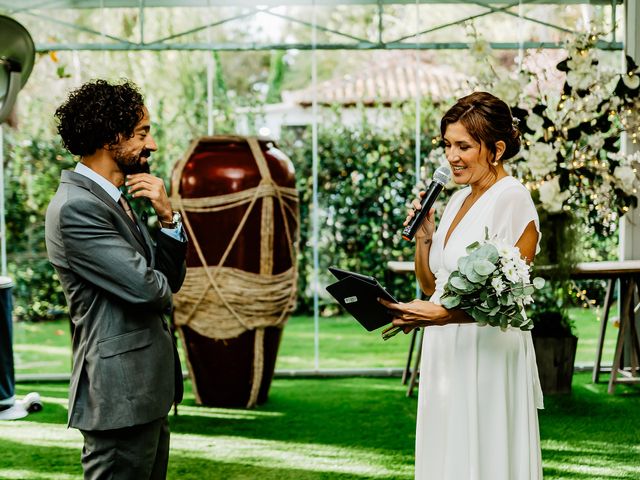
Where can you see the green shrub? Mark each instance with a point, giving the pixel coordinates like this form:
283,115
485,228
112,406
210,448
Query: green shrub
33,165
366,177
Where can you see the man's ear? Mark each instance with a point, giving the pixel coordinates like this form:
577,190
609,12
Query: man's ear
500,148
111,147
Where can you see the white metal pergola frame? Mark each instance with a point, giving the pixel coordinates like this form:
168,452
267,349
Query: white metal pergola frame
630,227
104,42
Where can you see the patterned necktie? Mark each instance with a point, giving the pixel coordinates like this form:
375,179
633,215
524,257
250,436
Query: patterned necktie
125,206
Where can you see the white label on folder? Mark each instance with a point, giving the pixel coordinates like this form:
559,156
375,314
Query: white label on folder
351,300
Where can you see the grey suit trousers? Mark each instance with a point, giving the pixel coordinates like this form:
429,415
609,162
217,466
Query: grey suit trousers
140,452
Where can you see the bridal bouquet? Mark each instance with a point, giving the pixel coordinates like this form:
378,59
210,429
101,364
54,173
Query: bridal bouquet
492,285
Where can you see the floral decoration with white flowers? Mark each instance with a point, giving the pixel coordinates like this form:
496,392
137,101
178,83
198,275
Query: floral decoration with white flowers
571,158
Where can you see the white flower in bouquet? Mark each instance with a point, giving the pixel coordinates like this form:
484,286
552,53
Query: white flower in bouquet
498,285
492,285
505,251
551,197
510,271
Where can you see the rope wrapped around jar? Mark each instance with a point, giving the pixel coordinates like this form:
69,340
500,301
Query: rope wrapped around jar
223,302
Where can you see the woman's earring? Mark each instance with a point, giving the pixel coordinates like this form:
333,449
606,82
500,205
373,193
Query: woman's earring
494,163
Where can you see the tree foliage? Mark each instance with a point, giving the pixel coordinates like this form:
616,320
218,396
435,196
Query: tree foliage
32,175
366,178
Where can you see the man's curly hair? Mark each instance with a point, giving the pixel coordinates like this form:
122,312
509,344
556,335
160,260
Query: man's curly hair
99,114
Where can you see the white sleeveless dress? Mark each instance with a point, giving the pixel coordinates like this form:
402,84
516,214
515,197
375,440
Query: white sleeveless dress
479,387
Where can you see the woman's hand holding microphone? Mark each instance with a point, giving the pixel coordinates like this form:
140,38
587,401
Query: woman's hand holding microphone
425,232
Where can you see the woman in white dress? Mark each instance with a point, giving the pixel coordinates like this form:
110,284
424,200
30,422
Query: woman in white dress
479,387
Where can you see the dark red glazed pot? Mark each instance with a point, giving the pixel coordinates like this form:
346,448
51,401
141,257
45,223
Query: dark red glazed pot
223,369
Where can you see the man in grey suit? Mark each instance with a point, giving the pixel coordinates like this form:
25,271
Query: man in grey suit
118,284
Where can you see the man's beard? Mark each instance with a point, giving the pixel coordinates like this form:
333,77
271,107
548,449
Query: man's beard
131,164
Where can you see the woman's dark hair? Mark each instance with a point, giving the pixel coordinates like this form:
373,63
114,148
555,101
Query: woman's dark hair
487,119
99,114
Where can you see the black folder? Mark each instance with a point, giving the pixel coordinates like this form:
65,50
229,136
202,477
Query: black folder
358,295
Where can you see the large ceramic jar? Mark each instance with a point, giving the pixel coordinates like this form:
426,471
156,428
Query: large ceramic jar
240,211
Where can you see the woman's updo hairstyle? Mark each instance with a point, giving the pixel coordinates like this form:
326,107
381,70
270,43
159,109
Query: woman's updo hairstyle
488,120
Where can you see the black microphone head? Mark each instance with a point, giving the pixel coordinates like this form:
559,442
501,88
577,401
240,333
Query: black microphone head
442,175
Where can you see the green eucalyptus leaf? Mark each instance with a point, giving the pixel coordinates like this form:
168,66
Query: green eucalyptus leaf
475,277
479,315
483,267
456,292
473,247
538,282
489,253
517,290
450,302
506,299
460,284
462,262
454,274
467,269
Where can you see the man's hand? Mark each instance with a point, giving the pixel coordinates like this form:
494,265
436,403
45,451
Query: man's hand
148,186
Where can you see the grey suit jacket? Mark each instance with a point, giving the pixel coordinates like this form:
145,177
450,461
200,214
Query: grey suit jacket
118,286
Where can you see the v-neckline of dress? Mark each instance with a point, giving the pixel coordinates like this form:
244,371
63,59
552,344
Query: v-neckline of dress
449,233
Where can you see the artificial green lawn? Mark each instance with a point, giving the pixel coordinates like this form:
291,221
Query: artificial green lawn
347,428
45,347
313,429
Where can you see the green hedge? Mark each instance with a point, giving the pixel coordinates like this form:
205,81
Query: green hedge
365,179
33,165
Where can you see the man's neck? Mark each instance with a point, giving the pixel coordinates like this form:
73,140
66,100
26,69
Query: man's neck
102,163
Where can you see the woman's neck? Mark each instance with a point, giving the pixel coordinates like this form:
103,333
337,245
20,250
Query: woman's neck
486,182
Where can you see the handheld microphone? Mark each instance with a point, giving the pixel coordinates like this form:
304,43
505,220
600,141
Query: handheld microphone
440,179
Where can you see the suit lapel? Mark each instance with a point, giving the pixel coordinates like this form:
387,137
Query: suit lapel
88,184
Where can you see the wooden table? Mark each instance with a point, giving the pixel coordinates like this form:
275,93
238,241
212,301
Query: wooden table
626,272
